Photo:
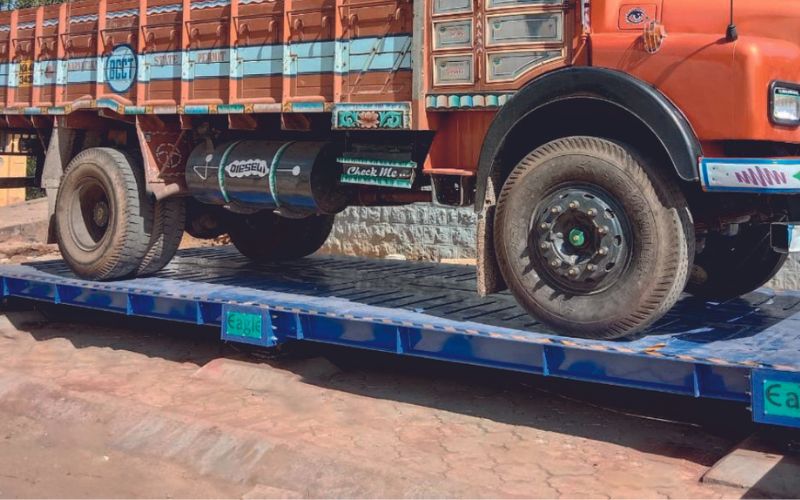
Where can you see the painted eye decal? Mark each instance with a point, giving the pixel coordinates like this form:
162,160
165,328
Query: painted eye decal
636,16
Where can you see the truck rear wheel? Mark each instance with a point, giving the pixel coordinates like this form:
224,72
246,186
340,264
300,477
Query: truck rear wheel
591,241
103,215
730,266
169,219
266,236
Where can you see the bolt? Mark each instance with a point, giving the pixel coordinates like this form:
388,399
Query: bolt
573,271
591,267
556,209
555,263
591,212
603,230
574,205
544,225
603,251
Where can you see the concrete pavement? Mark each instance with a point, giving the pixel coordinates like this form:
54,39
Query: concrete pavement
122,408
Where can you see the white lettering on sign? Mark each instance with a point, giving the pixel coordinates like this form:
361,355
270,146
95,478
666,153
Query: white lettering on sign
212,57
167,60
382,172
247,168
85,65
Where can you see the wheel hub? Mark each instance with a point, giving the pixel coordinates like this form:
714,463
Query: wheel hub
577,237
100,214
578,241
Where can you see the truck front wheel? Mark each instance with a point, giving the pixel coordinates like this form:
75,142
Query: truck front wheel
267,237
591,240
103,215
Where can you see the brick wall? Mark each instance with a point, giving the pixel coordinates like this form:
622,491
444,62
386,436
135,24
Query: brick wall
425,232
789,276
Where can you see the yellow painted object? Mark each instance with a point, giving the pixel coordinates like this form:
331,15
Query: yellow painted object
12,166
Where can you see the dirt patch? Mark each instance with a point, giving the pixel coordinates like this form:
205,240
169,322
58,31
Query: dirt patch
18,250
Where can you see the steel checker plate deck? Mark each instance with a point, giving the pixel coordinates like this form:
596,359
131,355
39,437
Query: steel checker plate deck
431,310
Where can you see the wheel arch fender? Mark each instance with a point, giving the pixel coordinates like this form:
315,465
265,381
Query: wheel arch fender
640,104
636,99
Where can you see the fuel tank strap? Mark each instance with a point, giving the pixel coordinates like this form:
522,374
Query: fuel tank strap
221,171
273,168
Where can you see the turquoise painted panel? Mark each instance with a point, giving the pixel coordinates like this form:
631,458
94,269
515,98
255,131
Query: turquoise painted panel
209,63
262,68
44,73
4,74
260,52
395,43
82,70
160,66
380,62
13,75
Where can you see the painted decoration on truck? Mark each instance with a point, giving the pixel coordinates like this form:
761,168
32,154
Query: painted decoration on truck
25,73
761,175
371,172
466,101
121,68
372,116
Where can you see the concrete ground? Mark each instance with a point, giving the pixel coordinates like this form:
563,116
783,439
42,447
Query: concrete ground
128,408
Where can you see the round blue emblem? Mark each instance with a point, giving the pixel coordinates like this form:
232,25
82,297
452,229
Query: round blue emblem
121,67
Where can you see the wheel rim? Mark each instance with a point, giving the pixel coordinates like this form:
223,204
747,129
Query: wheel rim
579,240
90,214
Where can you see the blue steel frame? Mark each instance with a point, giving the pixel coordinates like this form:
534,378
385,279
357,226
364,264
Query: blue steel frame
655,362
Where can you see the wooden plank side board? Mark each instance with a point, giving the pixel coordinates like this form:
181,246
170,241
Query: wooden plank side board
149,56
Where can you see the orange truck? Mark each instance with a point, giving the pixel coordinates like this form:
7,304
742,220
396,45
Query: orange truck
617,152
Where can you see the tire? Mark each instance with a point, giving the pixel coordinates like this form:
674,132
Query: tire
730,266
616,246
169,219
103,215
267,237
205,222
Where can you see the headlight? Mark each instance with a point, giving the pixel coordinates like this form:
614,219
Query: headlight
784,103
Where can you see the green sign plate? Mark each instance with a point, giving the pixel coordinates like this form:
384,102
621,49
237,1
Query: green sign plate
781,398
243,324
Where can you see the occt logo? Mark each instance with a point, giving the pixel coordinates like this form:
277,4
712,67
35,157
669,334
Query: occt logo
121,66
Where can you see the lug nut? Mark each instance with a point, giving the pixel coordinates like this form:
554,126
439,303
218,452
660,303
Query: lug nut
591,212
544,225
603,251
591,267
603,230
543,246
574,205
573,271
556,209
555,262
